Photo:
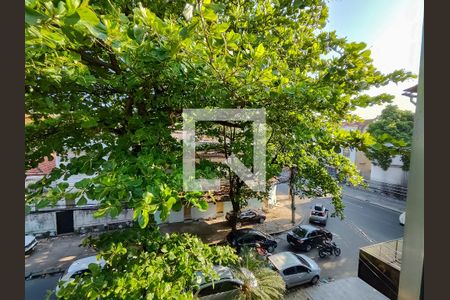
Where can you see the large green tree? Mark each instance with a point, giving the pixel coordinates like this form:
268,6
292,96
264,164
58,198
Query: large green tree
109,80
392,131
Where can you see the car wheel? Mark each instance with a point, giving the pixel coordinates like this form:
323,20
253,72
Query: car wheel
315,280
261,220
308,248
270,249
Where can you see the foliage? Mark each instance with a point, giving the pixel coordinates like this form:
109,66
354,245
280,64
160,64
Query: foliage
143,264
392,131
110,79
270,284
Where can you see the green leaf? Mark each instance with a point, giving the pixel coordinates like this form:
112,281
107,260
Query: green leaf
88,16
33,17
113,212
100,212
209,15
259,52
143,218
72,19
42,204
82,201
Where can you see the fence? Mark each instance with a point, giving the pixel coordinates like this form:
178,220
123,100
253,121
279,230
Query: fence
395,190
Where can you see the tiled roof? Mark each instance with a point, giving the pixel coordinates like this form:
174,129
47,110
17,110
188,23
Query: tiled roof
43,168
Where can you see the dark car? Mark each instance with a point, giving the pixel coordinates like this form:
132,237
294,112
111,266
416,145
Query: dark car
248,237
247,216
306,237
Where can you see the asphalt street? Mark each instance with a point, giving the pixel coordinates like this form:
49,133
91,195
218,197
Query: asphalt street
364,224
36,289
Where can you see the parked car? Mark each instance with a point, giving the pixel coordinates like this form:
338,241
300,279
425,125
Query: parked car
30,243
247,216
248,237
319,214
79,267
402,218
306,237
295,269
227,287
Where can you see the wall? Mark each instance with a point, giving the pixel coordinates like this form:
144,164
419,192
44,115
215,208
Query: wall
393,175
40,223
85,218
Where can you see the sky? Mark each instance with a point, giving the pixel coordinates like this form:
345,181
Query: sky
392,30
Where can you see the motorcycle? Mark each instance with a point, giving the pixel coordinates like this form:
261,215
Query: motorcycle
329,248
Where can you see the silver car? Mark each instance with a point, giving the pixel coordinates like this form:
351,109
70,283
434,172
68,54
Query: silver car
319,214
295,268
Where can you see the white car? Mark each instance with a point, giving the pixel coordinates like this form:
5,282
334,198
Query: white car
30,243
79,267
402,218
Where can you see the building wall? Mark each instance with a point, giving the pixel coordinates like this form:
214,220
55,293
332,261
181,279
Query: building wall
393,175
363,164
40,223
85,218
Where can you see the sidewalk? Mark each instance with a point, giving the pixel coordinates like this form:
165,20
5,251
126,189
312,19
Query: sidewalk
375,199
54,255
278,219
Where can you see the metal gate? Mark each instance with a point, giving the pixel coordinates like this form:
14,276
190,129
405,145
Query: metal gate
64,222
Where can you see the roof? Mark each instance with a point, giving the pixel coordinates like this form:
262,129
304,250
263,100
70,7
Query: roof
284,260
83,264
412,89
308,227
361,126
43,168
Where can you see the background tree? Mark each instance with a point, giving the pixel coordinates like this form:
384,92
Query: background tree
392,131
108,80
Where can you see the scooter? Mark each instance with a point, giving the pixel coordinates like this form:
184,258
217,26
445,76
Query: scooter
329,248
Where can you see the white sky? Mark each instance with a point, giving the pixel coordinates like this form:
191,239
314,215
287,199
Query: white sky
392,29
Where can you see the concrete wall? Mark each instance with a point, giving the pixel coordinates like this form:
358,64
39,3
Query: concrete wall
393,175
40,223
208,214
85,218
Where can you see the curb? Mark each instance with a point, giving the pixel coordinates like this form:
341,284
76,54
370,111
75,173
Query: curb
51,271
374,203
285,230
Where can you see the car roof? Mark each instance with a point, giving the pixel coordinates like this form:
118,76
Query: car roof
308,227
285,260
222,271
83,264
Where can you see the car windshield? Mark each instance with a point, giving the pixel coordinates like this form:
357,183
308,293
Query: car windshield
303,261
301,232
318,208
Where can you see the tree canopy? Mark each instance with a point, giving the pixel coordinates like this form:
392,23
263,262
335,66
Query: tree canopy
109,80
392,131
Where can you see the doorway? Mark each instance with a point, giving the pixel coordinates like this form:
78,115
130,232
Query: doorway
64,222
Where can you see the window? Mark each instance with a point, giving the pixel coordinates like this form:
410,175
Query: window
219,287
302,269
313,234
290,271
301,232
81,273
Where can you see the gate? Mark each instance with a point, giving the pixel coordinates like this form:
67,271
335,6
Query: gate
64,222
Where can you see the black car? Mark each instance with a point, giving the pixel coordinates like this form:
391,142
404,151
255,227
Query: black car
248,237
247,216
306,237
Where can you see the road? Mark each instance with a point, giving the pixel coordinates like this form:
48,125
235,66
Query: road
36,289
364,224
